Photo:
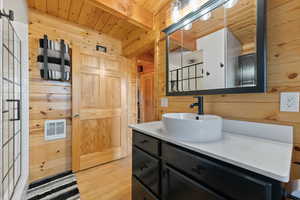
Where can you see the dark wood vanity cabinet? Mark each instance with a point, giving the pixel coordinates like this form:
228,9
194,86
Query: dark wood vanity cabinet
147,169
139,191
176,186
164,171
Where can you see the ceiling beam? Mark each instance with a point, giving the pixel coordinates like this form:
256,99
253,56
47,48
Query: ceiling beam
128,10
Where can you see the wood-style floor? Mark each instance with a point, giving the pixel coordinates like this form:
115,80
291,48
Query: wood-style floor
111,181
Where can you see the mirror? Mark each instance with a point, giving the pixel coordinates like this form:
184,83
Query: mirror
218,49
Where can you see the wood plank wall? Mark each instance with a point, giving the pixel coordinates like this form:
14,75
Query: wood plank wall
283,75
132,99
52,99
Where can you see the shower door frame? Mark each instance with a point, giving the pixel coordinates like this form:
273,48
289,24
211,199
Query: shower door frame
1,42
13,50
1,53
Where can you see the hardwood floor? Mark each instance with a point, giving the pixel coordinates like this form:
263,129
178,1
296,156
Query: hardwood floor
110,181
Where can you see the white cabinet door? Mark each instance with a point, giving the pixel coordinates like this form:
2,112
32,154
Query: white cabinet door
213,48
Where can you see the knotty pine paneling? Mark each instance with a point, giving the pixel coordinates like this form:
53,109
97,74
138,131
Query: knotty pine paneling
132,99
283,75
52,99
48,100
86,14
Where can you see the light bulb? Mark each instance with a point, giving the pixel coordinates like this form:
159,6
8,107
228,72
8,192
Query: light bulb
176,11
175,15
188,27
206,16
193,4
230,3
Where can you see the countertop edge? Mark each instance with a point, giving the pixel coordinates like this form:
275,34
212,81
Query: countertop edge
281,178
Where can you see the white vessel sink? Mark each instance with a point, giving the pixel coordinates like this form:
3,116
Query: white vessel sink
192,127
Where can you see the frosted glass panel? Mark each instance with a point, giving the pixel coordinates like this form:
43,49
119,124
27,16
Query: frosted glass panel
11,181
17,169
11,153
5,189
5,133
17,145
5,159
5,67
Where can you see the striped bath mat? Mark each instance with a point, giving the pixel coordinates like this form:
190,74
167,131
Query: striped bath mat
59,187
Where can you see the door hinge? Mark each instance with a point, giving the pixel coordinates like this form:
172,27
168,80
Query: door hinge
10,15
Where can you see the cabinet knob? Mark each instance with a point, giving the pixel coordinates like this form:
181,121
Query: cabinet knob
76,115
198,169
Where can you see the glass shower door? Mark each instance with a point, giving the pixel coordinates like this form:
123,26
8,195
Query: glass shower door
11,107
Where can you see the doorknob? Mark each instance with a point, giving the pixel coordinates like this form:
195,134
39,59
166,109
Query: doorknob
76,115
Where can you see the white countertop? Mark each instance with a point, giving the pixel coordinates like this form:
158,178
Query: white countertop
263,156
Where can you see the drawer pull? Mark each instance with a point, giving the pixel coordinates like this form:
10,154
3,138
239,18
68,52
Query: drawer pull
144,141
198,169
144,166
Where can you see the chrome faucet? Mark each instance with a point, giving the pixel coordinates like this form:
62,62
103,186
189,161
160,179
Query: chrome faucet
199,104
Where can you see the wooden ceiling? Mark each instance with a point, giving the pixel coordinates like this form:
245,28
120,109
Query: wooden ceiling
84,13
240,19
153,5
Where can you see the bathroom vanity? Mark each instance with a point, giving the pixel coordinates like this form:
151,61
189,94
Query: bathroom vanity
243,165
219,48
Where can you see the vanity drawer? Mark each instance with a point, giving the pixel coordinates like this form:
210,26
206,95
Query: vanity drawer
146,169
147,143
179,187
227,181
139,192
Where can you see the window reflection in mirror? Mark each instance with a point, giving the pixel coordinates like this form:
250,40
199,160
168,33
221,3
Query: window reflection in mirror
176,48
216,51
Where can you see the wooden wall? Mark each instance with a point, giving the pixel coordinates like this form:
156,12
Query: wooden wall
283,75
132,99
52,99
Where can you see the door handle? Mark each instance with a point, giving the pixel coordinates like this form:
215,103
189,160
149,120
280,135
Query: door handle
18,108
199,169
76,115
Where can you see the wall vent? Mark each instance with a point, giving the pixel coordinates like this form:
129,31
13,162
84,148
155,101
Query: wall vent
55,129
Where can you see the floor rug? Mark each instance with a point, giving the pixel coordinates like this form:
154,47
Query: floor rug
59,187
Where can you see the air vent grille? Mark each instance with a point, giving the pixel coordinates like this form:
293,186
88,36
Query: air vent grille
55,129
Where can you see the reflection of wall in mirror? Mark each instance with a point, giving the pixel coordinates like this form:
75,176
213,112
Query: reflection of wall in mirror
221,51
182,62
187,58
218,54
212,46
233,48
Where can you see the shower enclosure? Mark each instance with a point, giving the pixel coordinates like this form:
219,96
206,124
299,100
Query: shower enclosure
10,107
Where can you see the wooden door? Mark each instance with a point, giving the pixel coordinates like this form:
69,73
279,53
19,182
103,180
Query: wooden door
147,97
99,133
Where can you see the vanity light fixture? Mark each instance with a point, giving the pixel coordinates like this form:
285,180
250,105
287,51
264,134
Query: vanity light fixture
187,25
230,3
194,5
206,17
176,11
